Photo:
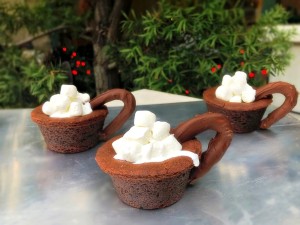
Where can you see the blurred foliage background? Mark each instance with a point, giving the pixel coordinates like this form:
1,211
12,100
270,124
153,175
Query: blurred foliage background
176,46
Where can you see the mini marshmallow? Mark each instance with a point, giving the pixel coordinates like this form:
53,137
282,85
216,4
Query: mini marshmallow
120,146
236,88
83,97
139,146
171,144
158,149
240,77
226,80
139,134
144,154
68,90
68,103
87,109
223,93
248,87
144,118
138,153
239,80
48,108
75,109
236,98
248,95
61,102
160,130
126,150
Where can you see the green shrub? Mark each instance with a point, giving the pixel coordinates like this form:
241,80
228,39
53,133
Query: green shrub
184,50
25,82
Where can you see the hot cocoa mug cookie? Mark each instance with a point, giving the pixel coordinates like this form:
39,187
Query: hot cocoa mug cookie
247,117
80,133
155,185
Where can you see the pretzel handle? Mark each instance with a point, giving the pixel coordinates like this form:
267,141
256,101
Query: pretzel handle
217,145
129,106
290,93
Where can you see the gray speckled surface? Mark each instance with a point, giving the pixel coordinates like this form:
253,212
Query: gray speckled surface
256,182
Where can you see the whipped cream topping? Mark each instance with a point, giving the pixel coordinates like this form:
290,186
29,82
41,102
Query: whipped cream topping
235,89
149,141
68,103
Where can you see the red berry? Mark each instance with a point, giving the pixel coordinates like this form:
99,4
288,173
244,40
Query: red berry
251,75
88,72
242,63
219,66
264,71
213,69
187,92
74,72
82,63
242,51
64,49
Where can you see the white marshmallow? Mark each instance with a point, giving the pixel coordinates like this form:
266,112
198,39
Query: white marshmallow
226,80
171,144
144,118
127,150
236,98
61,102
223,93
83,97
158,149
68,103
87,109
75,109
139,134
237,88
135,147
160,130
248,95
68,90
239,82
240,77
119,145
249,87
144,154
139,152
48,108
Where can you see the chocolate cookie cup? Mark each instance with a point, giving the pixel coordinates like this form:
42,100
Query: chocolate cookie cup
160,184
247,117
77,134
